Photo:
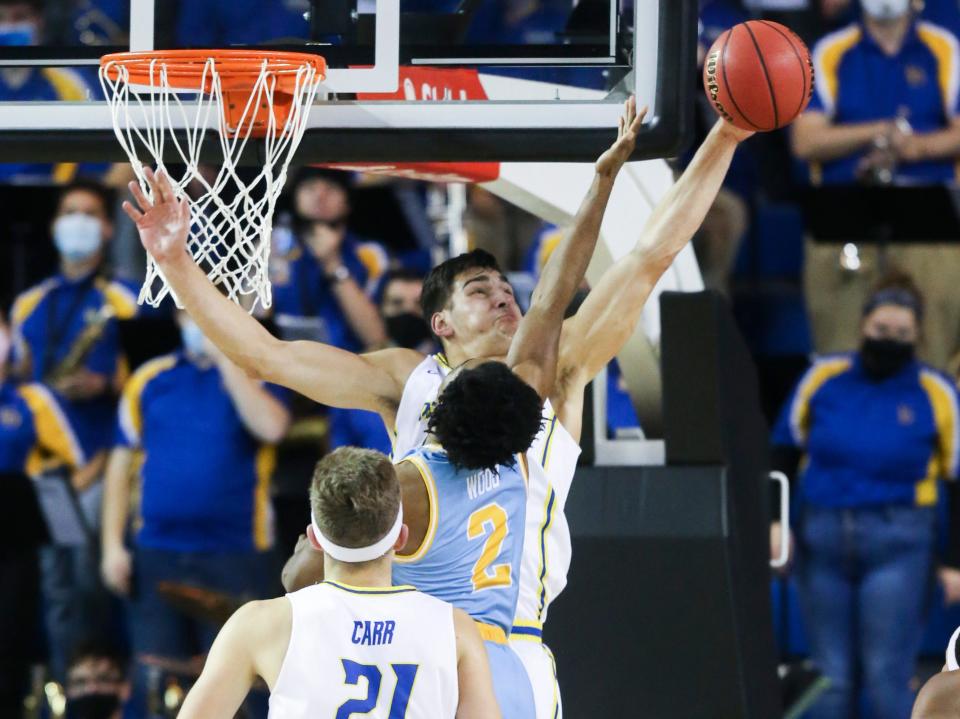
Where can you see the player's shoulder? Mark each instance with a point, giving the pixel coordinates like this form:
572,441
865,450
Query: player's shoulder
28,300
263,620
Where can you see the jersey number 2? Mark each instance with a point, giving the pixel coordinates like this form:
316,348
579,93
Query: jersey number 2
352,671
492,519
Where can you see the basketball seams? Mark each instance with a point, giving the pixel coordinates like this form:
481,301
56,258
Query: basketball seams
806,68
726,83
766,75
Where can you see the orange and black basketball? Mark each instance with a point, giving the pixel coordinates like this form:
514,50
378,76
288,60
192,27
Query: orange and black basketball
758,75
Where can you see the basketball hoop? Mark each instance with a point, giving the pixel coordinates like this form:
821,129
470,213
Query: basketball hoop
168,98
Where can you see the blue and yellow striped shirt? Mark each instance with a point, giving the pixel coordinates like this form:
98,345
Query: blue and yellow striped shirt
870,443
206,479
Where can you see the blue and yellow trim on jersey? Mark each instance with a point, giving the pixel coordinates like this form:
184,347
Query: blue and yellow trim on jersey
527,631
491,632
551,426
816,377
551,502
54,434
946,416
431,486
264,465
131,417
353,589
827,56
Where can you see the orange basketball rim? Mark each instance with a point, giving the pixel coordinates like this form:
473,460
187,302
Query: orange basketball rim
238,73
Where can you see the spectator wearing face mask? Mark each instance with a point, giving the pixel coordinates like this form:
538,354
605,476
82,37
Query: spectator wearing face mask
878,430
97,684
66,336
403,317
33,427
322,274
207,433
22,23
884,111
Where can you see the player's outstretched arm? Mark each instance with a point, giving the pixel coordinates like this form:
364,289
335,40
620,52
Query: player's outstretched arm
253,642
608,316
323,373
533,352
477,700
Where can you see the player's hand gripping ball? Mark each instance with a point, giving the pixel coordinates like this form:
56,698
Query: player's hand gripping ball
758,75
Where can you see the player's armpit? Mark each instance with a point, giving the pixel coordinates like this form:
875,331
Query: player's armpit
339,378
253,641
477,700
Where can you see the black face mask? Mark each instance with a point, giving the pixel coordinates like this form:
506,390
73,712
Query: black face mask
884,358
408,330
93,706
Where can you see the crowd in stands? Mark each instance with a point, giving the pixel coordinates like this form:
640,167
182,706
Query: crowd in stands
93,385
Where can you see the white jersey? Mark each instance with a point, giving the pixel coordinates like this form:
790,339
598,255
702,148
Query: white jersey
376,652
552,460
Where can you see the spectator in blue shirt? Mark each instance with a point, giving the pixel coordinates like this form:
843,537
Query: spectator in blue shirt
878,430
206,431
22,23
66,337
77,308
884,110
322,275
33,429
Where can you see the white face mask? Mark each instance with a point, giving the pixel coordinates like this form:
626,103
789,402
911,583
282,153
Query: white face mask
194,341
885,9
77,236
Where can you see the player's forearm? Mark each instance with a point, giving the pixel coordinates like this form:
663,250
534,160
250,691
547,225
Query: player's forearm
238,335
116,498
564,271
815,141
534,350
682,210
262,414
361,314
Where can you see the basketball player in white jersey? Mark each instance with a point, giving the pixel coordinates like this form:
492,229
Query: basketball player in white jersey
354,644
472,310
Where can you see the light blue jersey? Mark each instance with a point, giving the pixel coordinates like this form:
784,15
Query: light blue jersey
471,553
471,557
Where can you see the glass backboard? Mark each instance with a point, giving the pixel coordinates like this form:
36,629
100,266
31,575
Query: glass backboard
408,80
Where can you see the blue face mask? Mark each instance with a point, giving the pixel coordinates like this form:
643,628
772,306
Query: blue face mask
17,34
77,236
193,338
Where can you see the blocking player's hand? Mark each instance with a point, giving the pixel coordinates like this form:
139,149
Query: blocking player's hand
612,160
163,221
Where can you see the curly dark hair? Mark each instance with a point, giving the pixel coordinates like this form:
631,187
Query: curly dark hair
485,416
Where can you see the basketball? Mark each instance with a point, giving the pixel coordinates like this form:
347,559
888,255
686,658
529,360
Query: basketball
758,75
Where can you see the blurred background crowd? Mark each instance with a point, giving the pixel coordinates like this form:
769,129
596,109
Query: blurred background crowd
835,242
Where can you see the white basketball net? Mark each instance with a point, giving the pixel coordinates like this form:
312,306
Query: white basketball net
231,216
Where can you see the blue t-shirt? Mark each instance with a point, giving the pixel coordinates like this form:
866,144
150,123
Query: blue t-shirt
858,82
48,319
870,443
206,479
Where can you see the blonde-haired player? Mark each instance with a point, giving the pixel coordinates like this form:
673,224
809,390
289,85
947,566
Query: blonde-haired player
353,644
